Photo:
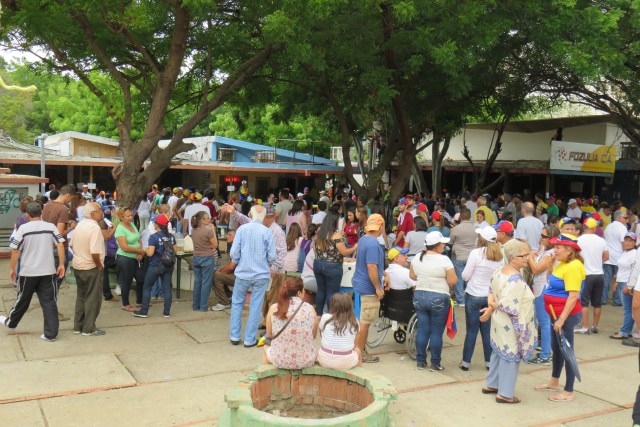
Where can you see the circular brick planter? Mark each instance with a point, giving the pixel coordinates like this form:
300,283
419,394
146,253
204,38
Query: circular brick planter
358,396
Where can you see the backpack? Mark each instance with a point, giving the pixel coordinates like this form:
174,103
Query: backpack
168,256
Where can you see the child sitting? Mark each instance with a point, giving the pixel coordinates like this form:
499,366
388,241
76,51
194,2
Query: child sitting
339,328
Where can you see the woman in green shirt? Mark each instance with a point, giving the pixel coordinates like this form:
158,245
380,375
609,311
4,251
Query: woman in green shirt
128,256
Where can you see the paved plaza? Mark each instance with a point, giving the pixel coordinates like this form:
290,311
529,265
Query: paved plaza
165,372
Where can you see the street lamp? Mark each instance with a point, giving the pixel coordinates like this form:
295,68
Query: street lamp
40,140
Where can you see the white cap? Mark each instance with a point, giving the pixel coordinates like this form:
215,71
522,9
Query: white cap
300,194
572,201
435,237
488,233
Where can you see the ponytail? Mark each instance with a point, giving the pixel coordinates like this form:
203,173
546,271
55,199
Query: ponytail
196,219
289,289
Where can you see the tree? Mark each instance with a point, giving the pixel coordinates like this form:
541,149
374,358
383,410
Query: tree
595,55
15,104
417,67
145,61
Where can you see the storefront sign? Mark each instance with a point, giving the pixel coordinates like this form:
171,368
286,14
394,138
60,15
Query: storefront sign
579,157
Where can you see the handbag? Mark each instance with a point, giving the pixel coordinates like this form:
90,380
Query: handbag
188,244
267,341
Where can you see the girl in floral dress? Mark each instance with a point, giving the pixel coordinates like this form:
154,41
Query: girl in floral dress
293,348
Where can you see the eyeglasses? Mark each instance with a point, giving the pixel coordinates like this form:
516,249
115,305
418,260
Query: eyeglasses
522,256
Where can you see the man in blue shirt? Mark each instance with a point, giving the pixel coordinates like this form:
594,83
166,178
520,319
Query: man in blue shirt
369,279
253,252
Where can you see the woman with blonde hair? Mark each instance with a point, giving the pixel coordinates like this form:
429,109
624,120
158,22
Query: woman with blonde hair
481,264
128,257
339,329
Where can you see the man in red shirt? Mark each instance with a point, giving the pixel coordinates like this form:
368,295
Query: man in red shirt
405,223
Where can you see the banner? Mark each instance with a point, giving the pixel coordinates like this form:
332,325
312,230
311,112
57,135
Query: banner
579,157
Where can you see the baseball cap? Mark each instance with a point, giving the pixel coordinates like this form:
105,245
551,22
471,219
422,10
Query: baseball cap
631,234
435,237
566,240
394,252
571,201
513,196
589,200
162,220
185,192
374,222
402,201
422,207
504,226
590,223
566,220
322,192
196,196
578,200
436,215
175,190
488,233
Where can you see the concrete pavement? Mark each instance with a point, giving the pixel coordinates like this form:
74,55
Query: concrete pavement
163,372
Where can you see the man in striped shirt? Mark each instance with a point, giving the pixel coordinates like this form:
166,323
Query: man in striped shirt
32,245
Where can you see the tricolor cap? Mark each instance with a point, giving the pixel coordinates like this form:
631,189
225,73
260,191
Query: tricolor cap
566,240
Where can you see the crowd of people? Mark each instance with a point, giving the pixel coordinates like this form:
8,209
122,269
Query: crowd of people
522,268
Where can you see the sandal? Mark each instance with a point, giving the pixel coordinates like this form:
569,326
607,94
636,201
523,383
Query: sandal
546,387
617,336
513,400
128,308
561,398
489,390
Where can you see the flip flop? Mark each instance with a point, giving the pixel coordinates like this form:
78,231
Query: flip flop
513,400
489,390
617,336
546,387
561,398
128,308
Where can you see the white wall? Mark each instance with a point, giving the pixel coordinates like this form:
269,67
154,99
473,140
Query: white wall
526,146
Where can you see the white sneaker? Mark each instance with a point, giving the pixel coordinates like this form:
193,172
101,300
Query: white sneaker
220,307
42,337
583,331
117,290
3,320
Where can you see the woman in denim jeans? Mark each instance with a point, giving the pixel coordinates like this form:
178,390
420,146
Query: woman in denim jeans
563,294
481,264
541,265
330,249
205,254
435,277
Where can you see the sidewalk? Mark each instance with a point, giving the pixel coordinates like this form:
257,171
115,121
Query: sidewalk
162,372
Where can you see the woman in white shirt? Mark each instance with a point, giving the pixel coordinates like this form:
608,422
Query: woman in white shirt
339,329
480,220
481,264
144,212
294,238
541,265
435,277
625,263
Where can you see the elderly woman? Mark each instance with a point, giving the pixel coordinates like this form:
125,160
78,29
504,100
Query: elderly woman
435,276
292,325
563,295
478,271
205,255
513,332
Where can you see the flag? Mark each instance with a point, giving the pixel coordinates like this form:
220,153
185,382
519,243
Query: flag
452,328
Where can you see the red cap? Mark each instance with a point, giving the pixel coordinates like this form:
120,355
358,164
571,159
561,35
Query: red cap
162,220
504,226
436,215
422,207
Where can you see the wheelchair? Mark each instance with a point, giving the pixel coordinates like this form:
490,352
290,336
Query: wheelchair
397,314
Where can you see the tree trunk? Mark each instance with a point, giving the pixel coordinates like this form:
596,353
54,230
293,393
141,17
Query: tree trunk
418,177
437,157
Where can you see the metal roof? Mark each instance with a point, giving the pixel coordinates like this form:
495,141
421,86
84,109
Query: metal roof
544,125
